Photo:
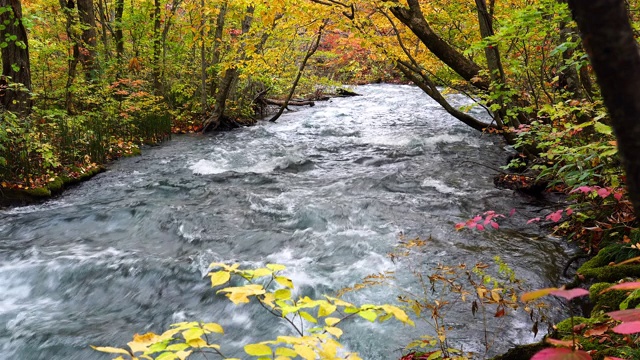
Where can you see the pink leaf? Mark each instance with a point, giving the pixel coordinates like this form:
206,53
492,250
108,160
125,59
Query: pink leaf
626,315
471,225
555,216
533,220
624,286
627,328
488,219
495,225
459,226
569,211
490,212
603,193
561,354
480,227
612,358
583,189
513,211
570,294
477,218
618,196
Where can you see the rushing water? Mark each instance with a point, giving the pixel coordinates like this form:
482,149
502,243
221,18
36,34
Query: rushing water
325,191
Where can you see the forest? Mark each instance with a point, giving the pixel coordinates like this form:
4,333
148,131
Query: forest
86,82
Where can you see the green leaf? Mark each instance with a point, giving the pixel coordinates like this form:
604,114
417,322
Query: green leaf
602,128
257,350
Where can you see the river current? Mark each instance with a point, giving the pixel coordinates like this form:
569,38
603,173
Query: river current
326,191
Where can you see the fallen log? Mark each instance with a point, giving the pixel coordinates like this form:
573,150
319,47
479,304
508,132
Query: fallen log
291,102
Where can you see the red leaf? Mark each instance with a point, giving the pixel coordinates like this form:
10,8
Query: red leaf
556,342
561,354
569,211
627,328
480,227
623,286
495,225
603,193
459,226
626,315
583,189
533,220
513,211
555,216
612,358
596,331
618,197
570,294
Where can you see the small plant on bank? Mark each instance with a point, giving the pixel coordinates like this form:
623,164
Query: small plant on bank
315,323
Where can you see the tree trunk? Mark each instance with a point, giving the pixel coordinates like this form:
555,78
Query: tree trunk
117,34
155,67
312,49
228,80
414,19
608,39
217,44
16,68
88,37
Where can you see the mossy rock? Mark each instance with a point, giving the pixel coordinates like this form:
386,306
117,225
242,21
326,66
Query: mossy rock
40,192
564,328
598,267
608,301
623,352
522,352
56,185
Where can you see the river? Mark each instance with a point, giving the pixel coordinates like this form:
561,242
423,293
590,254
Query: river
325,191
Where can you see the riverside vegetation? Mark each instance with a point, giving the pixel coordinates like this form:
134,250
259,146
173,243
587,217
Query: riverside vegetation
85,82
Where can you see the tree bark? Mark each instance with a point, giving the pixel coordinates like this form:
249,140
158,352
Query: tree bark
87,55
414,19
310,51
16,68
117,34
608,39
228,80
155,67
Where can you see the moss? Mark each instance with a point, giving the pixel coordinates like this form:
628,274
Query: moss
604,302
56,185
38,192
135,151
598,267
564,328
623,352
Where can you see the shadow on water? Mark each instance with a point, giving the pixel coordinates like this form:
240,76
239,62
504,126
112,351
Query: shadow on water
325,191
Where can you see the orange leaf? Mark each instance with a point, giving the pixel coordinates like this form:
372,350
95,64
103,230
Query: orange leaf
532,295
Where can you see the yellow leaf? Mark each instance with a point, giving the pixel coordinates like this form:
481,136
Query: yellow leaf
283,294
111,350
182,355
262,272
197,343
329,349
276,267
284,351
532,295
305,352
219,278
192,334
258,350
331,321
268,299
305,315
213,327
369,315
326,309
286,282
337,332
